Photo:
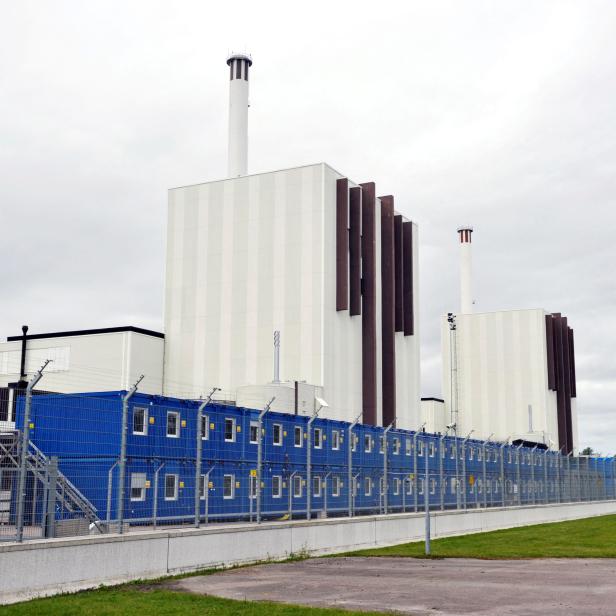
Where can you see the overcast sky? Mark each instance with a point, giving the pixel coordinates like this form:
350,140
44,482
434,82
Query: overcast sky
497,114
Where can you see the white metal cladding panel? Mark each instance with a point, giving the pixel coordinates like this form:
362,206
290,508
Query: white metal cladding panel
245,257
408,411
342,344
501,370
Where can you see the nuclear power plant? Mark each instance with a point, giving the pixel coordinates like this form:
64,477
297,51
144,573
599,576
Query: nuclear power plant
287,379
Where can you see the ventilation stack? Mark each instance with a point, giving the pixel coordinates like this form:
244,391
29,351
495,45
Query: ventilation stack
466,286
238,114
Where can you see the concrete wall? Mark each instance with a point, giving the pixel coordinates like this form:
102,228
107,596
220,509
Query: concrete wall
38,568
501,370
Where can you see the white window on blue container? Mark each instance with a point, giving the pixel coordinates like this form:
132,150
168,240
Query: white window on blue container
421,485
443,449
228,486
382,485
409,486
298,436
173,424
335,486
509,456
381,444
277,434
202,487
205,427
396,446
276,486
479,454
452,455
229,430
432,486
368,486
479,486
254,432
471,453
171,487
453,485
252,487
335,439
408,447
140,420
431,449
396,486
420,448
316,486
318,440
354,440
137,486
297,486
367,443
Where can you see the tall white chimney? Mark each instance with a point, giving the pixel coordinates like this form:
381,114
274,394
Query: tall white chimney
239,64
466,286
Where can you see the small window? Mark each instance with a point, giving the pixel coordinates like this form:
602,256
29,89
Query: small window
298,436
335,486
140,420
367,443
277,437
432,486
297,486
137,486
228,486
173,424
471,453
409,487
479,486
443,449
381,444
202,487
420,448
479,454
205,427
276,486
421,485
453,483
396,446
254,433
396,486
229,431
509,456
408,446
318,442
252,487
368,486
431,449
354,440
382,485
452,453
335,439
171,487
316,486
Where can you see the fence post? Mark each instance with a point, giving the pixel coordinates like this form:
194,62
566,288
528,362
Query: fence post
109,492
502,470
122,486
440,471
25,446
260,456
427,501
485,476
155,500
414,480
532,474
385,481
350,464
545,477
199,455
50,512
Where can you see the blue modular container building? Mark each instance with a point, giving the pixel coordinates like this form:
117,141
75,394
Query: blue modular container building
84,432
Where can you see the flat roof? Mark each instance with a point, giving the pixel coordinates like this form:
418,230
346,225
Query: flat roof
89,332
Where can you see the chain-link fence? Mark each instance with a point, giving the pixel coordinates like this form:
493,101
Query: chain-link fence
124,461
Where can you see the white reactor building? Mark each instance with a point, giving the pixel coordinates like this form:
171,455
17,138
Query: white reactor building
508,374
305,252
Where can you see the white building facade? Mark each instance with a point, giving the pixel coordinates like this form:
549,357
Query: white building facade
313,255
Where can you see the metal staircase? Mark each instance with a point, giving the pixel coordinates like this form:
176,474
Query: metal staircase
71,500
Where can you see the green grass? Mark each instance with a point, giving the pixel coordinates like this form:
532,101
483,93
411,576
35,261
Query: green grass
586,538
151,601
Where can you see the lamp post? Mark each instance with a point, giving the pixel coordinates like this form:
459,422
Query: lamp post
415,465
532,472
518,474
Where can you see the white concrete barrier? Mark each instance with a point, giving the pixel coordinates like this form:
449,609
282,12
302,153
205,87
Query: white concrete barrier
46,567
